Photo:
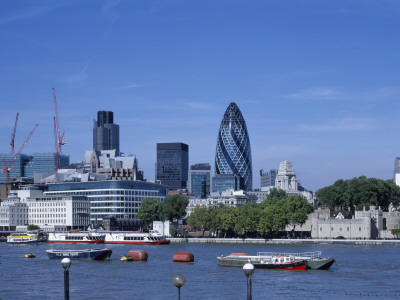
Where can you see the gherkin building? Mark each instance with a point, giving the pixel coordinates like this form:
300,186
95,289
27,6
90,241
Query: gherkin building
233,153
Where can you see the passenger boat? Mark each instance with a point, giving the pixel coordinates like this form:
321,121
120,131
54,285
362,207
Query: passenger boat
276,262
314,260
87,254
76,237
22,238
136,238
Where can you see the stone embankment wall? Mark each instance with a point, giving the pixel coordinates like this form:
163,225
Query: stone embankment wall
284,241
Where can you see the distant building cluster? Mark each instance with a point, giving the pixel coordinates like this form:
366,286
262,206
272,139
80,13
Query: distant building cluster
108,184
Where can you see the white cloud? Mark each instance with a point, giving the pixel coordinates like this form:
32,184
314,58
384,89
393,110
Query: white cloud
79,77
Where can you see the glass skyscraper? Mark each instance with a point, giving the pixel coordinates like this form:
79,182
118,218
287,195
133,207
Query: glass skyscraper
172,165
233,153
199,182
105,132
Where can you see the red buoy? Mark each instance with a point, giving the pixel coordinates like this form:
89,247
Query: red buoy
138,255
183,257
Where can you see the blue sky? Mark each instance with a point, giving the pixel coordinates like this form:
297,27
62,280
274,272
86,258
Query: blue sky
318,82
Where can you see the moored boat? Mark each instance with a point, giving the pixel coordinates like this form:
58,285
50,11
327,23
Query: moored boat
87,254
313,260
22,238
76,237
136,238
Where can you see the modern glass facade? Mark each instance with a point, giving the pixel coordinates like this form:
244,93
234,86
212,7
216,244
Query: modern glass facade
233,152
105,132
17,169
224,182
118,199
172,165
268,178
44,163
199,182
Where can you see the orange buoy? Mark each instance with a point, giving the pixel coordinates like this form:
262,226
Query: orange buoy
238,254
138,255
183,257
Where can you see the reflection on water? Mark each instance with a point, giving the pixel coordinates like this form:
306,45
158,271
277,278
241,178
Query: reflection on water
364,272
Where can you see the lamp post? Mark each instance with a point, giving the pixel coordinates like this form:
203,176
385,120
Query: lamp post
248,270
66,263
179,281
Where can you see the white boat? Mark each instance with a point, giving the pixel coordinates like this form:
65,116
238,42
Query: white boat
76,237
135,238
22,238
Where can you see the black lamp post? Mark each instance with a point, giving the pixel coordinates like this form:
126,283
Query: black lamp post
66,263
248,270
179,281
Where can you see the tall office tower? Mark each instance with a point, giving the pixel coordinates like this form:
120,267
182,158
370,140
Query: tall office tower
396,171
233,153
199,182
44,163
172,165
105,132
267,179
225,182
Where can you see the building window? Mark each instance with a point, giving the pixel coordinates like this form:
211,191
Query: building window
359,228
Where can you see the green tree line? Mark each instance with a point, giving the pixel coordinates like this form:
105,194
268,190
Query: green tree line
359,192
172,208
253,219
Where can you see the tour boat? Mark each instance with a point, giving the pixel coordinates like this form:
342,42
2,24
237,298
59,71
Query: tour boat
76,237
89,254
314,260
136,238
22,238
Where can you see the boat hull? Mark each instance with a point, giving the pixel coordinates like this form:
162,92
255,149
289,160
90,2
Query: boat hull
22,243
75,242
240,261
138,242
320,264
88,254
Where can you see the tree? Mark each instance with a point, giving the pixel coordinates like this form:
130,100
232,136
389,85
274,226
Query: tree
296,208
276,194
149,211
359,192
199,219
247,219
174,207
228,217
33,227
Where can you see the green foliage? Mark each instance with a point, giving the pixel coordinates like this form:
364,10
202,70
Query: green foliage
200,219
396,232
173,207
33,227
149,211
276,195
359,192
247,219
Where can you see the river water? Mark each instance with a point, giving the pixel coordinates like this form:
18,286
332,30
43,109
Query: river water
364,272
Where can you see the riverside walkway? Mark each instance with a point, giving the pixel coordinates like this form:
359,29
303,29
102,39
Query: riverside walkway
283,241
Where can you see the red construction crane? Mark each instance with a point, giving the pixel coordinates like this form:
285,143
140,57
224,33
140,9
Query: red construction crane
57,135
7,168
13,134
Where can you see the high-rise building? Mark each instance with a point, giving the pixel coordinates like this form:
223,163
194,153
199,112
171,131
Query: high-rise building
105,132
233,153
18,167
44,163
226,182
172,165
267,179
199,182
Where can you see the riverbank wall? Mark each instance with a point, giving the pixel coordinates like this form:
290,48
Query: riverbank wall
283,241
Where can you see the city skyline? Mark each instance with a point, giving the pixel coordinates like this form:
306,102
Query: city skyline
316,82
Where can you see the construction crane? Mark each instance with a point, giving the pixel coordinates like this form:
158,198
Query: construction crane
7,167
13,134
59,138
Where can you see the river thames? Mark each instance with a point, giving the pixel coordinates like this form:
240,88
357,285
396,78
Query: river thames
364,272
